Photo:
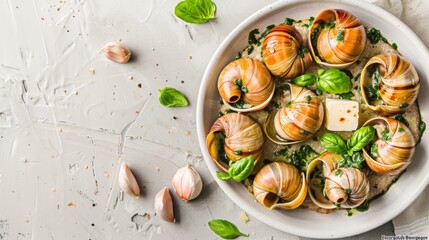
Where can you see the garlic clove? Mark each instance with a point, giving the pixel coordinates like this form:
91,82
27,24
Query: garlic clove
127,181
187,183
164,205
117,52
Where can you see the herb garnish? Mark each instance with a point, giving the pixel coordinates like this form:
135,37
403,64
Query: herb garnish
193,11
225,229
171,97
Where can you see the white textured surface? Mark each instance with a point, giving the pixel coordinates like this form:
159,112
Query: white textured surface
65,131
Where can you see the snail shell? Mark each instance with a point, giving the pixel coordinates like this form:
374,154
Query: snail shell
327,162
396,151
348,187
399,84
238,132
279,180
284,53
338,46
298,120
254,76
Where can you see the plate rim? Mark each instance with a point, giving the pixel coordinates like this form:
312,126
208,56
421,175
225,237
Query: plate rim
226,187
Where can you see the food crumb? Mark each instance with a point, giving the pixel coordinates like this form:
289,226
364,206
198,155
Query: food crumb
139,85
75,92
92,71
71,204
190,57
188,132
182,81
243,217
86,166
106,174
53,189
130,77
157,169
59,130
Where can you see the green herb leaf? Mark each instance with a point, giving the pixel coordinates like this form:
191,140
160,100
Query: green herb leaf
195,11
374,151
422,128
373,35
305,80
340,35
238,152
385,135
347,190
301,157
401,118
225,229
333,81
362,137
333,143
223,176
308,98
401,130
171,97
347,95
289,21
403,105
252,36
303,132
363,207
339,173
355,161
241,169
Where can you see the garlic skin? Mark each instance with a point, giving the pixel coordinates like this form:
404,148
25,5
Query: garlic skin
127,181
117,52
164,205
187,183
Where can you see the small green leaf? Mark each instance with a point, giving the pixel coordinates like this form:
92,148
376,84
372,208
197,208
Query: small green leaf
225,229
339,173
308,98
333,81
340,35
403,105
223,176
333,143
305,80
422,128
289,21
362,137
347,190
374,151
385,135
171,97
355,161
241,169
195,11
238,152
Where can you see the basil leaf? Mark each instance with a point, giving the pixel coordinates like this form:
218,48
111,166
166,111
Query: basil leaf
362,137
225,229
223,176
195,11
333,81
171,97
333,143
241,169
305,80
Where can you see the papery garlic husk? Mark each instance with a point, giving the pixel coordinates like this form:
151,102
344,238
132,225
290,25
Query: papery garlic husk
117,52
127,181
164,205
187,183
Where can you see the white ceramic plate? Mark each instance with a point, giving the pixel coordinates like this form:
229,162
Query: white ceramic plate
304,222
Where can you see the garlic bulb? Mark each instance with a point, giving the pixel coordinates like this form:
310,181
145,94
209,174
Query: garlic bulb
164,205
187,183
127,181
117,52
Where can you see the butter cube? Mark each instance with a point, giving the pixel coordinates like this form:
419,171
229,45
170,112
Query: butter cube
341,115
